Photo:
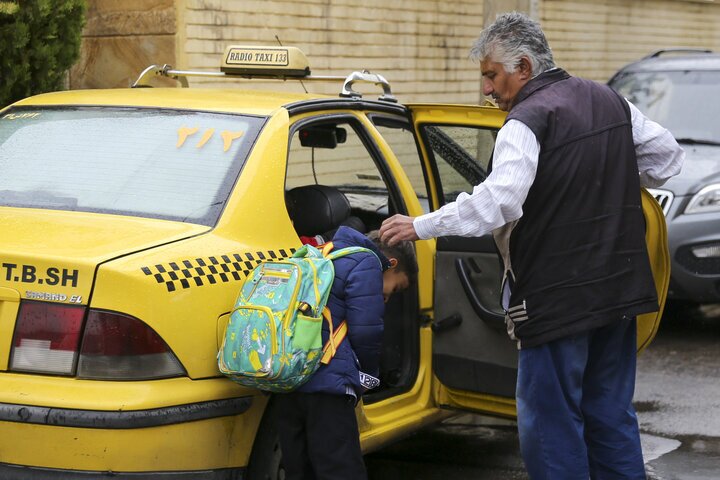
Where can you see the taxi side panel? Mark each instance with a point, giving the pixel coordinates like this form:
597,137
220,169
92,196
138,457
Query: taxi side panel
183,304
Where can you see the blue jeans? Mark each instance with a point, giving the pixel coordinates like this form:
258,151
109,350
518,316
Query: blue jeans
574,402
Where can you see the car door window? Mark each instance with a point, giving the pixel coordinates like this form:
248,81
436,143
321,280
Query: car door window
333,153
401,139
462,157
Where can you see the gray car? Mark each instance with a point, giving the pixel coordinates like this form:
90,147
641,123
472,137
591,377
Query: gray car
679,88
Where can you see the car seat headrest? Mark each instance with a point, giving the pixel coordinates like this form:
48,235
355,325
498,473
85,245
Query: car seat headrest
315,209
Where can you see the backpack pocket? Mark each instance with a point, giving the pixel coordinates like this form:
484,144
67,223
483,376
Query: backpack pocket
307,333
250,342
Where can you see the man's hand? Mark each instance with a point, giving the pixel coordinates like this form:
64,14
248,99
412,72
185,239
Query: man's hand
398,228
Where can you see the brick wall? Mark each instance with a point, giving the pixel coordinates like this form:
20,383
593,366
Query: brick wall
421,47
594,39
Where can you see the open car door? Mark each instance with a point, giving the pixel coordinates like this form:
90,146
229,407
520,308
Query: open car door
473,358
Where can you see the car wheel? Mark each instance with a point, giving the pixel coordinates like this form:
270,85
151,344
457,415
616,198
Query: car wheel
266,456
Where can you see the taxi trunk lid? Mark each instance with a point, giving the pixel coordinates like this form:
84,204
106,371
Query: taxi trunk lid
52,256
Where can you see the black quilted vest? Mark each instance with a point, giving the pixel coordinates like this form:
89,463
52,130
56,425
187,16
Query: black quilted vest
578,253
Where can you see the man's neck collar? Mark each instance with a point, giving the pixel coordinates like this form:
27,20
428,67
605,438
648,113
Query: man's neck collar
547,77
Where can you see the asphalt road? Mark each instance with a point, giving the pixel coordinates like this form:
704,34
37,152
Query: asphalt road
677,397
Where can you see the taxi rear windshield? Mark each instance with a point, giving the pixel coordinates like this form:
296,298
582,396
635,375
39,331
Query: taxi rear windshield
156,163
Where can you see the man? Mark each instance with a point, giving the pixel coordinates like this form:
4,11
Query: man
563,202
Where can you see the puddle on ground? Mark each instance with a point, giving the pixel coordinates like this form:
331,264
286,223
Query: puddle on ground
655,447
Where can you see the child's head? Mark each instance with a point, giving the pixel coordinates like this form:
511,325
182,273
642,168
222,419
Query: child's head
403,265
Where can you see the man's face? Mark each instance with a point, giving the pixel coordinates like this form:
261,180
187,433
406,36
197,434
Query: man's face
394,281
502,86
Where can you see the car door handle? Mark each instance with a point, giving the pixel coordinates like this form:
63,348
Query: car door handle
453,321
494,320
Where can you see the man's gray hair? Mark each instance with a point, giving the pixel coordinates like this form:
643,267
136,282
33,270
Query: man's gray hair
513,36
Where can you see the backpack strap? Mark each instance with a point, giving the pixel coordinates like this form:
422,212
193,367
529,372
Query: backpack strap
326,248
333,255
337,335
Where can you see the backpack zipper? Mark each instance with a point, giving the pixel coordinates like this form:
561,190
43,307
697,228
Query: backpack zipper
288,313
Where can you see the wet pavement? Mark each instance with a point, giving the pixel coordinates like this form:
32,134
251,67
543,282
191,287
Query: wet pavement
677,398
677,395
469,447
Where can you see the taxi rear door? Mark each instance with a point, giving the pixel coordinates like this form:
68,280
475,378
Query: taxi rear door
473,357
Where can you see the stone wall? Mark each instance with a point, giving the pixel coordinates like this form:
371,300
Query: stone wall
121,38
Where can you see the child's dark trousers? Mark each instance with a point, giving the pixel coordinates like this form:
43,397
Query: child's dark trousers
319,437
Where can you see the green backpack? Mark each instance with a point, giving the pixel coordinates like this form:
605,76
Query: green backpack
273,338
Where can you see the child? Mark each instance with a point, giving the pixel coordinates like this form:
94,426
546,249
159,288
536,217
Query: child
318,430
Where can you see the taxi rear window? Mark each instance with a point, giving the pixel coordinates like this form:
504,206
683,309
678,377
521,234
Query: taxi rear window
157,163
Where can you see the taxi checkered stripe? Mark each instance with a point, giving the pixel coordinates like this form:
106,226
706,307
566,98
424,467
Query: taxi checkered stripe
231,267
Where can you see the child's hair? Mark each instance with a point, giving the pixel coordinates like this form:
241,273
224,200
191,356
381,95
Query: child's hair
403,252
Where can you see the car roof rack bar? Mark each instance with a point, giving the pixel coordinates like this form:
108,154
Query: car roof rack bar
347,91
678,50
152,71
367,77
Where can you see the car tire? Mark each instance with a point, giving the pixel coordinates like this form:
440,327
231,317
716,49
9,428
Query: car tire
266,456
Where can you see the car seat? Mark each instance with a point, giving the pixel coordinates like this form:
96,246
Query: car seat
317,209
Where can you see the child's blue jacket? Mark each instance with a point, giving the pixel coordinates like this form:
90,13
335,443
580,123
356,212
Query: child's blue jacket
356,296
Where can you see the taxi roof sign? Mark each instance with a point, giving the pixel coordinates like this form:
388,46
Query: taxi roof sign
271,61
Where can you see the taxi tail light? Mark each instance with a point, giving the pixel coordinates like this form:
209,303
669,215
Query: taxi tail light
46,338
120,347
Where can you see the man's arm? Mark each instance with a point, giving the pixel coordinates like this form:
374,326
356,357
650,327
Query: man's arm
492,204
659,156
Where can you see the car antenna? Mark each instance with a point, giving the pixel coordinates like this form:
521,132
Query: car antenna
301,82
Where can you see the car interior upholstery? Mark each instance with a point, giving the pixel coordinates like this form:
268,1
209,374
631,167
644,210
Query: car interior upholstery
316,209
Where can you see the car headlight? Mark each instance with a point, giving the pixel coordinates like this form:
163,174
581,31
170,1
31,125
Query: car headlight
706,251
706,200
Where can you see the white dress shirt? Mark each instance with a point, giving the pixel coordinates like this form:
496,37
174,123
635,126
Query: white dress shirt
499,199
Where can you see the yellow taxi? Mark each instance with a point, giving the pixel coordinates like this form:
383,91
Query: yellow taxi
131,216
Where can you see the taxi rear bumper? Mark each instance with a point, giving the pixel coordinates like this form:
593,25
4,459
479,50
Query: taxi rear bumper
66,417
54,427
